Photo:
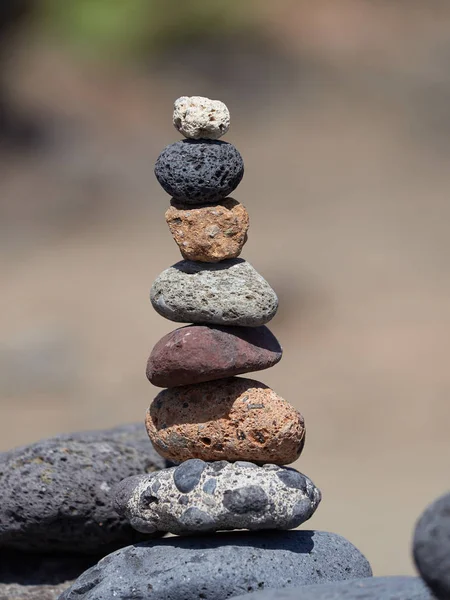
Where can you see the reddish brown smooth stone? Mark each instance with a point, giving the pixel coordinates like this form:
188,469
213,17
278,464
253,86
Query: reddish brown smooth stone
229,419
202,353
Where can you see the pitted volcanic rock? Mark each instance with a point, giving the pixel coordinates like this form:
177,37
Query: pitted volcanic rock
199,171
226,419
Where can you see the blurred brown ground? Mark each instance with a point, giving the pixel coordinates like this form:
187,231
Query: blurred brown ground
344,125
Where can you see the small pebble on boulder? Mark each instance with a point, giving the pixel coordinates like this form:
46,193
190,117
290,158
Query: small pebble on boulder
199,353
231,292
56,495
198,117
209,233
227,419
203,497
431,547
220,566
199,171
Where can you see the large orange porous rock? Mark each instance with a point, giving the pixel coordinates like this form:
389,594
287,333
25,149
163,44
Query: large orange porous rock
209,233
227,419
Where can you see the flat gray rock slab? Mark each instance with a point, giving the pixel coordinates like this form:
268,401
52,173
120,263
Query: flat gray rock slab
220,566
373,588
431,546
231,292
200,496
57,495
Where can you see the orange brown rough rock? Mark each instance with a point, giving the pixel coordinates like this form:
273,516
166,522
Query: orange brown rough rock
209,233
227,419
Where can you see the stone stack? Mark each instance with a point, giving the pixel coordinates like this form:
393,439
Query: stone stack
231,435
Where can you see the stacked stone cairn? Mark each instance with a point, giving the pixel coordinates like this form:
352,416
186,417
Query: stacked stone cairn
231,435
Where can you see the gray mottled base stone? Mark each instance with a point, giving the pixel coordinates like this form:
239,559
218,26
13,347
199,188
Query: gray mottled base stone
56,495
200,496
431,547
230,292
220,566
372,588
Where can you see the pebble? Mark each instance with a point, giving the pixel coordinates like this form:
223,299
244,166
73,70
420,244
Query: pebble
209,233
231,292
220,566
198,117
204,497
199,353
199,171
56,494
227,419
431,547
369,588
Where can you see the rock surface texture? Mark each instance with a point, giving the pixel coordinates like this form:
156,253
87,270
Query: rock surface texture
228,419
199,171
198,117
209,233
220,566
203,497
431,547
206,352
228,293
56,495
369,588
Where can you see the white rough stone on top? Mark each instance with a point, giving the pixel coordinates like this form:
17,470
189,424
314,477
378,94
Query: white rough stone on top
197,117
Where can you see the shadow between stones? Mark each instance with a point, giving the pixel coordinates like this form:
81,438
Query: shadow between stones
299,542
31,569
190,267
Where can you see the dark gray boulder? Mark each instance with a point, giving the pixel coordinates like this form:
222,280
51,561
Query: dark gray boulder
371,588
215,567
431,547
57,495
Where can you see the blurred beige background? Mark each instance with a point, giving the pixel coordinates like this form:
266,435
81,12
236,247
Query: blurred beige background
341,110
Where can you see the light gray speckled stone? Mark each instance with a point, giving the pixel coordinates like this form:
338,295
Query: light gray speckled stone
220,566
56,495
200,496
431,546
231,292
369,588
